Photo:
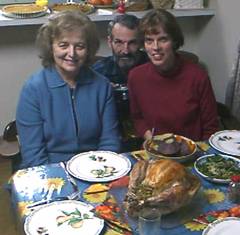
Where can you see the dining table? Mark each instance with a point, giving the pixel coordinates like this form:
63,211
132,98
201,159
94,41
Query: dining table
34,187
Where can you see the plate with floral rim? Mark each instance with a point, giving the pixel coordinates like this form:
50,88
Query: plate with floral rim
98,166
226,226
63,217
227,141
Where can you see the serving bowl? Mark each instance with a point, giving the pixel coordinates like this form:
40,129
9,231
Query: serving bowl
187,150
217,168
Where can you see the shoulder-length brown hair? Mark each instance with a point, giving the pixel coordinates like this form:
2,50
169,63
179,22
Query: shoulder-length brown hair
150,22
63,22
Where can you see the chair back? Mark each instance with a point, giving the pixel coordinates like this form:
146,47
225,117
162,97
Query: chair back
9,146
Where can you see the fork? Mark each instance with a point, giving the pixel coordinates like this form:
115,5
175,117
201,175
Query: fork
152,133
70,178
49,199
33,205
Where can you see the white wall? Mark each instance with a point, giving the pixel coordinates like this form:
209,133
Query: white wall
17,60
218,42
214,39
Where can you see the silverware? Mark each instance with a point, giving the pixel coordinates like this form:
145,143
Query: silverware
43,202
200,222
99,191
139,156
47,198
74,195
152,133
69,177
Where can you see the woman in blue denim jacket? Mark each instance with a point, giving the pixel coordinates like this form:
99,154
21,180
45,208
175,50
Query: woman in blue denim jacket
66,108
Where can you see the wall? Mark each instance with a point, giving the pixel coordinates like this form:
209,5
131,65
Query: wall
17,60
210,38
218,42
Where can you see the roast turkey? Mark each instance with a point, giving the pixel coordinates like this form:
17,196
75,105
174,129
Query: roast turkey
163,184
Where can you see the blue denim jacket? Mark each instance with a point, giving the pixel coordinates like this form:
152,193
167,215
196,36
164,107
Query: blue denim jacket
53,124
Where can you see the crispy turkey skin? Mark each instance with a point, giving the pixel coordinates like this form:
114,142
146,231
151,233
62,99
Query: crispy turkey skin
163,184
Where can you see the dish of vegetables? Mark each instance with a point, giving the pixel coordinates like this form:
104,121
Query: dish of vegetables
217,168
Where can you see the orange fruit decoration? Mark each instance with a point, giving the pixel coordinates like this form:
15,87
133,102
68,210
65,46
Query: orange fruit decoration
95,2
107,2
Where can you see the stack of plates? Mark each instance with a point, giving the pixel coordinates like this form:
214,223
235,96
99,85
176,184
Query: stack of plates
24,10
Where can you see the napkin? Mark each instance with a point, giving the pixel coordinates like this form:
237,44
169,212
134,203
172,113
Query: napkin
98,193
113,216
99,188
108,207
211,216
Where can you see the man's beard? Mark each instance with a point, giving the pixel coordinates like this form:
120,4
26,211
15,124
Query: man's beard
126,62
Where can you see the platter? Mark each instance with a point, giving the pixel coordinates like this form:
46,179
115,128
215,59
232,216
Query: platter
24,11
98,166
63,217
83,7
227,141
226,226
217,168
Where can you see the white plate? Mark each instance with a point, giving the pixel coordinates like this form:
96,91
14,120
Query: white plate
227,141
227,226
46,219
98,166
204,158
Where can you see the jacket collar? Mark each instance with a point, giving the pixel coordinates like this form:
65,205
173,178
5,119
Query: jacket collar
54,79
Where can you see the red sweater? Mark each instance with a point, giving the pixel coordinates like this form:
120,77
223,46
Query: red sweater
181,102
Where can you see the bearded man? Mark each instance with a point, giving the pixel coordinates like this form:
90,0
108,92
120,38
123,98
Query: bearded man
125,43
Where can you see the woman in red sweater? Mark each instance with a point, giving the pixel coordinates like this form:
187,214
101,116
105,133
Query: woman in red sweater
169,93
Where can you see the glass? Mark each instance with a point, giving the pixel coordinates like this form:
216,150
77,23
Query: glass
234,189
149,222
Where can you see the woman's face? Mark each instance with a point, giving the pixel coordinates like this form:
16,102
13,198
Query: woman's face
159,47
69,53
